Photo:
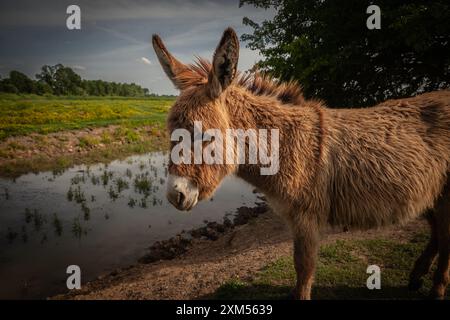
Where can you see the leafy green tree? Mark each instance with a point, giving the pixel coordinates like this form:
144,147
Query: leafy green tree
7,86
42,88
47,74
326,46
67,81
21,82
63,80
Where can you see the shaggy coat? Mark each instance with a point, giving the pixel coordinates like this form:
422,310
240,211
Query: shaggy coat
358,168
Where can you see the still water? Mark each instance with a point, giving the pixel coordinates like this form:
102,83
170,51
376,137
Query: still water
99,217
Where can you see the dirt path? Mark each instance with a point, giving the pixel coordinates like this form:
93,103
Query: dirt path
238,253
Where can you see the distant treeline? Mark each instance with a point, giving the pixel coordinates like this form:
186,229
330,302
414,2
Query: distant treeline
60,80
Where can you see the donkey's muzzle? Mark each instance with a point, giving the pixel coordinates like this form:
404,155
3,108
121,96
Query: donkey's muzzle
181,192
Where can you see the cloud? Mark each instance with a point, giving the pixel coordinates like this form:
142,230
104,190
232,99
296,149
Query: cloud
53,13
114,42
146,61
119,35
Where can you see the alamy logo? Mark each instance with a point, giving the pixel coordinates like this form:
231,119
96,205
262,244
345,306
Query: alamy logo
231,149
74,280
73,22
374,20
374,280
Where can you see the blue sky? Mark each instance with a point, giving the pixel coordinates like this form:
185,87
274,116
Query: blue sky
114,42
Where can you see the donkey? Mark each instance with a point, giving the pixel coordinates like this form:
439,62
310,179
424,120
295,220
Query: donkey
358,168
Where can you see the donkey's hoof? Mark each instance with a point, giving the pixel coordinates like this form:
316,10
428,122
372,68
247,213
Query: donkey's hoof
436,296
415,284
438,292
291,295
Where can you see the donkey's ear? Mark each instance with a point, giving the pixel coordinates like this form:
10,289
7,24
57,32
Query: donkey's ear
224,66
172,67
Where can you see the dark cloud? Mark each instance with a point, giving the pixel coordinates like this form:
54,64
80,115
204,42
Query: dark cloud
115,38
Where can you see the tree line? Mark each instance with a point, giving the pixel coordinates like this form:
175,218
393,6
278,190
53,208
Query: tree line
60,80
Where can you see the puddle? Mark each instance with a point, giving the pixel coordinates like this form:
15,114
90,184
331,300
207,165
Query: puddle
99,217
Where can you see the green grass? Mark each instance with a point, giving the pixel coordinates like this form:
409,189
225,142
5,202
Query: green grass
59,163
139,125
25,114
341,273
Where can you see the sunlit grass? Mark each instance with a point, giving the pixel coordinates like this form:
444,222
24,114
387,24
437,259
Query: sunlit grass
341,273
21,115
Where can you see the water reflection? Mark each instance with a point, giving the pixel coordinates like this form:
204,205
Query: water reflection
99,217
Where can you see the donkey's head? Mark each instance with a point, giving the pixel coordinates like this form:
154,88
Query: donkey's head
202,98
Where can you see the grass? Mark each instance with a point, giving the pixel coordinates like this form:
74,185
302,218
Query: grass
341,273
127,126
25,114
88,141
58,164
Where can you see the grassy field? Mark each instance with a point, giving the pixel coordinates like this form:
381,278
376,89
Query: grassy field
53,133
341,273
25,114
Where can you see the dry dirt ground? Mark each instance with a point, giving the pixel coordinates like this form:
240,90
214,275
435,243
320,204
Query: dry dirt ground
238,254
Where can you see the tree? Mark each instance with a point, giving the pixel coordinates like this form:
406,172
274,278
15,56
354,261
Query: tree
63,80
7,86
47,74
326,46
67,82
42,88
21,82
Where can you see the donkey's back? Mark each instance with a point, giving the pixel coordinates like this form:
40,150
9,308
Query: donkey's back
390,162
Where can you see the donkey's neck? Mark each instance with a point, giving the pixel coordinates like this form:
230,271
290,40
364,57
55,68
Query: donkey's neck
300,140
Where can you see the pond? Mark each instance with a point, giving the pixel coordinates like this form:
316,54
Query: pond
99,217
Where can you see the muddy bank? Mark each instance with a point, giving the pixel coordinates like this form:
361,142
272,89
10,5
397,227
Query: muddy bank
60,150
197,272
176,246
188,269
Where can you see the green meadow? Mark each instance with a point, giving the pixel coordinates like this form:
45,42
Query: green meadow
123,126
25,114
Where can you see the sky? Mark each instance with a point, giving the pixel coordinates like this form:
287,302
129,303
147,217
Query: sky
114,43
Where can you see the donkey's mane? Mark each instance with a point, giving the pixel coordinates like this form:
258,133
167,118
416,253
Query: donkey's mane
260,84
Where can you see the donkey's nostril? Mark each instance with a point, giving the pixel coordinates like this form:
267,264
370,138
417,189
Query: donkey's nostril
181,192
180,198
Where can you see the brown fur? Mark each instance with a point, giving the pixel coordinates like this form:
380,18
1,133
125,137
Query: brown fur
359,168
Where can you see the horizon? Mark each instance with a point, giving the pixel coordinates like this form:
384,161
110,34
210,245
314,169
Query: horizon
114,43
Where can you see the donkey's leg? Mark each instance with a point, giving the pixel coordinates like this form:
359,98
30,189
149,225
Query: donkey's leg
306,243
424,262
441,277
